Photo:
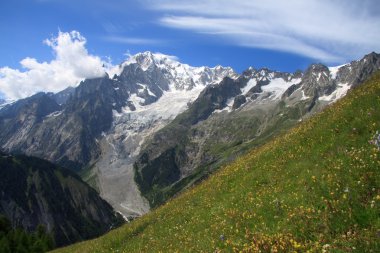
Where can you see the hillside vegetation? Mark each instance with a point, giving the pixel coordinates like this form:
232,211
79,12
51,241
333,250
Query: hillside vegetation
316,189
19,241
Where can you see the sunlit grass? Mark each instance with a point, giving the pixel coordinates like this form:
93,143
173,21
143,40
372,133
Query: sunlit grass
314,189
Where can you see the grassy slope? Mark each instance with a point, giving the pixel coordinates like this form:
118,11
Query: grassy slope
315,188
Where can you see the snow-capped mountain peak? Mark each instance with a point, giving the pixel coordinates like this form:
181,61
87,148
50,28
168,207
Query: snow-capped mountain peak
171,79
181,76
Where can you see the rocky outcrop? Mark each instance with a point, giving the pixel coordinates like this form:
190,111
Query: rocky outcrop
65,134
238,101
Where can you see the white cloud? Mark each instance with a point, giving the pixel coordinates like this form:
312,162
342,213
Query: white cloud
170,57
326,30
72,64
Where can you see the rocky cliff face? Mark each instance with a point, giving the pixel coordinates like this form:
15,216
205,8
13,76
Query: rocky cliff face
34,191
164,124
64,134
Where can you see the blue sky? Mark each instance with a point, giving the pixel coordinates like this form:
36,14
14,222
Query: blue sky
281,35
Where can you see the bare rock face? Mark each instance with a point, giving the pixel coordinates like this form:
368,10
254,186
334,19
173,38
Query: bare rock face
64,134
238,101
358,71
317,81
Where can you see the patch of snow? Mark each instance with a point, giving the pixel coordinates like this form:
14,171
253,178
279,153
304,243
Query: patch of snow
250,84
227,108
151,93
169,105
117,88
218,111
230,103
304,97
54,114
136,100
278,86
116,114
122,215
146,64
130,210
340,91
334,70
295,80
144,87
262,72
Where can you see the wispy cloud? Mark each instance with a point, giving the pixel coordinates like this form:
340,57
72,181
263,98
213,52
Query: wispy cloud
71,64
133,40
330,31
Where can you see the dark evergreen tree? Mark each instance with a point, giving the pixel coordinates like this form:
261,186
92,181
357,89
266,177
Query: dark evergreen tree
20,241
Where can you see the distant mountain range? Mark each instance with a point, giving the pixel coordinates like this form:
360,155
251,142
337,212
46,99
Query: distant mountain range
154,126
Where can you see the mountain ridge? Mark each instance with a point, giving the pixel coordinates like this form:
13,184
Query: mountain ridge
273,101
106,127
314,188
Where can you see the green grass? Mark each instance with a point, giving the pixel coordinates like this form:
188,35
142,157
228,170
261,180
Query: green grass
313,189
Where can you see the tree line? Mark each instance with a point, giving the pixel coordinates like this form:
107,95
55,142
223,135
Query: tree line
17,240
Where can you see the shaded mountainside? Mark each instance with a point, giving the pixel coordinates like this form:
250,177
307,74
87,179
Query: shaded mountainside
237,114
34,192
64,134
315,188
